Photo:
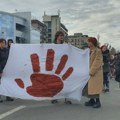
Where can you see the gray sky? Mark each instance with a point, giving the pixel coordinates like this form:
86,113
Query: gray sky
91,17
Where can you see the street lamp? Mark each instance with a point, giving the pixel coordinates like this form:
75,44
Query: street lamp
98,37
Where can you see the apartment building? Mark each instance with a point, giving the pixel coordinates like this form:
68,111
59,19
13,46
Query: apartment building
53,23
77,40
21,28
38,32
13,26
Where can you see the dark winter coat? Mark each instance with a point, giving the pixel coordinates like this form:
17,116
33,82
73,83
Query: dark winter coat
106,61
117,68
3,58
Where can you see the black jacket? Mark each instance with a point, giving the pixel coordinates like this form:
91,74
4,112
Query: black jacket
3,58
106,60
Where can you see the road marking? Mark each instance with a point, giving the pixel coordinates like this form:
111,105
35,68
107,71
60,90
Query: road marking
11,112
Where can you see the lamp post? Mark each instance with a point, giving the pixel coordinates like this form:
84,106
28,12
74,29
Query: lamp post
98,37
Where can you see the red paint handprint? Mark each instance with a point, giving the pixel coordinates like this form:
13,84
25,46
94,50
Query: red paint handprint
46,85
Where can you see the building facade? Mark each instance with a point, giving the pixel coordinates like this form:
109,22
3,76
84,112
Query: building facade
14,27
53,24
21,28
38,32
77,40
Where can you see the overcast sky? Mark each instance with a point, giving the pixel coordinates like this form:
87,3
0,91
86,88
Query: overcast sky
91,17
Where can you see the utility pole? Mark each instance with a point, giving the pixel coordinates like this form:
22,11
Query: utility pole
98,37
58,12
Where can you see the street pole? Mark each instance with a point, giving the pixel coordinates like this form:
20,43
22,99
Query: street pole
98,37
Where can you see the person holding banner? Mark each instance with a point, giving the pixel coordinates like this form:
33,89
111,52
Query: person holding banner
4,52
95,84
3,58
59,39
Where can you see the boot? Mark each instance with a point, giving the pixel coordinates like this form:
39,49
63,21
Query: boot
54,101
97,103
107,89
67,101
9,99
91,102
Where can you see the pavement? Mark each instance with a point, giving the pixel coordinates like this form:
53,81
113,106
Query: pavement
44,110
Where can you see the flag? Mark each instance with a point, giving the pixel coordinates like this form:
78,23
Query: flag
45,71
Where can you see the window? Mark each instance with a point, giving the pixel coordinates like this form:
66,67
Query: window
49,30
49,40
49,35
20,40
49,24
6,26
20,27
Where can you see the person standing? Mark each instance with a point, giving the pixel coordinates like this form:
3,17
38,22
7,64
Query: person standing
3,58
95,84
112,66
106,67
9,42
4,52
117,68
59,39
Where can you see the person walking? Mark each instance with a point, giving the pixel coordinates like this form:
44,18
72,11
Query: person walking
95,84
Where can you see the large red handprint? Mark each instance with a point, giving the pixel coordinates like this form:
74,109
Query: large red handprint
46,85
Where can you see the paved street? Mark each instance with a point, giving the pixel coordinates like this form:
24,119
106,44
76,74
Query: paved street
44,110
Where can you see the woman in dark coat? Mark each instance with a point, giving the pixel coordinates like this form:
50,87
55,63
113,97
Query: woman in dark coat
3,58
112,66
106,67
4,52
117,68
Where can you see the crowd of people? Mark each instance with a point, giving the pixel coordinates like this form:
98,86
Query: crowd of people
103,66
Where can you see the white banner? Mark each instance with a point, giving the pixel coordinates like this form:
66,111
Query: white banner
46,71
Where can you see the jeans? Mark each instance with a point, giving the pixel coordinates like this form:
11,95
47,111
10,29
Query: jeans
106,80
